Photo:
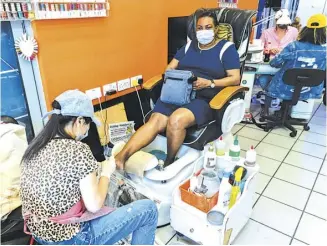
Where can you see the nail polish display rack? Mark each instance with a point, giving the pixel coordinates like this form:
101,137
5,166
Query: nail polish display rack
227,3
11,10
16,10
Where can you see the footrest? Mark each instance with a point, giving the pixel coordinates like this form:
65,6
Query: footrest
175,168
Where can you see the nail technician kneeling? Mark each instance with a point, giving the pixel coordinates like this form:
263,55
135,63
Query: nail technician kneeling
62,198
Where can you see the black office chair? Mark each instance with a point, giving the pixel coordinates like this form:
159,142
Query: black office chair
239,25
299,78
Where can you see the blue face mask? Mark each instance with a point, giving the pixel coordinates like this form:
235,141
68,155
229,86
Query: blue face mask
80,138
205,36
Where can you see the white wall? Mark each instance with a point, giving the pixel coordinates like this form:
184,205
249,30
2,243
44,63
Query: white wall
311,7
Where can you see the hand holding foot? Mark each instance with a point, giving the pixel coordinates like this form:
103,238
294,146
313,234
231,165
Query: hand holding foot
119,163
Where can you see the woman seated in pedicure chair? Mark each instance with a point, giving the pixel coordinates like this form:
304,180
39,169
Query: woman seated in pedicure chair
213,74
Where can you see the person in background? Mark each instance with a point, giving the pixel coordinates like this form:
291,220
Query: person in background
13,144
275,39
62,198
297,23
309,51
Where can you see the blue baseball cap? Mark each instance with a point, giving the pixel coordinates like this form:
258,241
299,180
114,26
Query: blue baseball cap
75,103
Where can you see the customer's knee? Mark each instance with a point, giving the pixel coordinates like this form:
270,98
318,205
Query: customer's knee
177,122
158,122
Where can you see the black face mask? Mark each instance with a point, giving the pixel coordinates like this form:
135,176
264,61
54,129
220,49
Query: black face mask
282,26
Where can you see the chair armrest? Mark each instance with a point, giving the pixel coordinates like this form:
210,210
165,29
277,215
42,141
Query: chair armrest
151,83
225,95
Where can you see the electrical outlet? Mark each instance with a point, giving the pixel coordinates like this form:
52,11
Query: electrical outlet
134,80
109,88
124,84
94,93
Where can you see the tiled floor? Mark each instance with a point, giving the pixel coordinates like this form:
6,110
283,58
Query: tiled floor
290,205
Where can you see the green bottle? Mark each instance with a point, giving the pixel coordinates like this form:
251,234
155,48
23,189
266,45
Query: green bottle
235,150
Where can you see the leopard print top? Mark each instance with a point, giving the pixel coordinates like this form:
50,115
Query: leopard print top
50,186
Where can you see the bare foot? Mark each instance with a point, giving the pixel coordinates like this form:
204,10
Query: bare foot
168,162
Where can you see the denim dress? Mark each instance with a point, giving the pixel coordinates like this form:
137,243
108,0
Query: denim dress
297,55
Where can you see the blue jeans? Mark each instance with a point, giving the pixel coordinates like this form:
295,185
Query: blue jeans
139,218
264,80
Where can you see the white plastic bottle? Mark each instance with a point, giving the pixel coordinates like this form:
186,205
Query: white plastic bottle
193,183
235,150
220,147
251,157
224,193
210,159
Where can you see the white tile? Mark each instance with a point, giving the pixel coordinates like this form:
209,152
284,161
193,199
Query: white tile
321,121
296,175
324,169
287,193
243,153
255,198
252,133
311,229
317,129
298,128
297,242
255,233
181,241
255,127
276,215
310,149
246,143
271,151
285,132
304,161
317,205
321,112
281,141
267,166
316,106
164,234
321,184
262,181
236,128
313,138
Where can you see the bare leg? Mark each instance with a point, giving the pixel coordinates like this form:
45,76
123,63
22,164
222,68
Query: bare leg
178,122
142,137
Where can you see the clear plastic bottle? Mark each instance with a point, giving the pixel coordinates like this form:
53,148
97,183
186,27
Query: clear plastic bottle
210,159
220,147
